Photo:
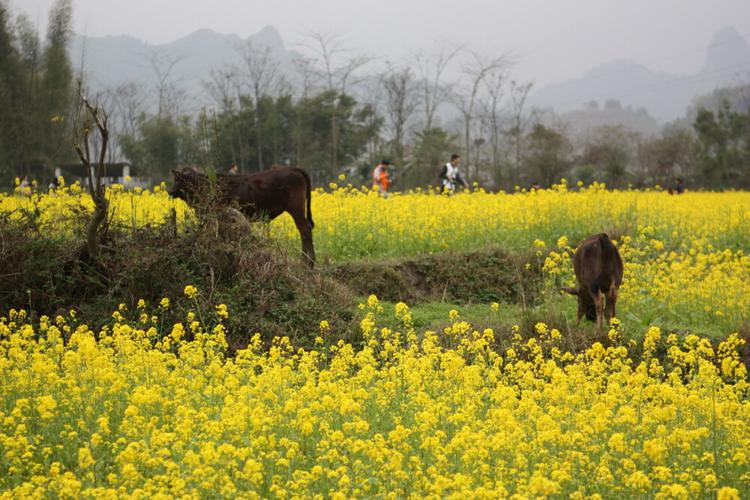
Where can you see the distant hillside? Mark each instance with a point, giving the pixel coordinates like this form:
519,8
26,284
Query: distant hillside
665,96
113,60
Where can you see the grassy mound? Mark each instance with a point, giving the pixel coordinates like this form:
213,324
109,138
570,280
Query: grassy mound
476,277
265,290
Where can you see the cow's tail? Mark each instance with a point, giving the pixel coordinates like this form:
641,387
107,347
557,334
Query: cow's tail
309,197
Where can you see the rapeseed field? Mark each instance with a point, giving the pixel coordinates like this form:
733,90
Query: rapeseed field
138,406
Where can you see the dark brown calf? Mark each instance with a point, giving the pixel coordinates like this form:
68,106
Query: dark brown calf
260,196
598,269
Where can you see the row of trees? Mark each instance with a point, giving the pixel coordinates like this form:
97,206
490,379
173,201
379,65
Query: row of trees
36,91
334,114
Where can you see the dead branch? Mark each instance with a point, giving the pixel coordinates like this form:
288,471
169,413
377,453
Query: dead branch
87,118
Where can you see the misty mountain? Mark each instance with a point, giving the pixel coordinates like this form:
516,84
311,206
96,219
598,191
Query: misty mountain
665,96
113,60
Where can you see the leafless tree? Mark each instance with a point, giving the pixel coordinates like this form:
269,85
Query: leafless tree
307,77
401,102
466,95
126,102
492,105
92,118
130,105
519,92
262,77
162,63
220,85
337,67
305,83
373,98
431,70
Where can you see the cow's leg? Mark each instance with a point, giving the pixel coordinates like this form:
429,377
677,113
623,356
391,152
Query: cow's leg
599,304
611,301
305,233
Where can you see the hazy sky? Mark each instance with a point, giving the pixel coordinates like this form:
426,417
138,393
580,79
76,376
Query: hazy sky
554,39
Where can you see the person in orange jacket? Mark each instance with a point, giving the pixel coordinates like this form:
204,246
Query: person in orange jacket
381,178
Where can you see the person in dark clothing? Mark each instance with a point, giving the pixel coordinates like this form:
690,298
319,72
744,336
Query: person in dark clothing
679,186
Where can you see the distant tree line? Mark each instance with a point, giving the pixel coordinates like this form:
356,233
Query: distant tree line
336,114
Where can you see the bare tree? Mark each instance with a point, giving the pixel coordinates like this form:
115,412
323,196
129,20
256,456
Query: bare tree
519,92
373,98
90,118
401,102
130,105
465,98
306,79
261,73
337,67
431,70
492,108
162,64
220,86
126,102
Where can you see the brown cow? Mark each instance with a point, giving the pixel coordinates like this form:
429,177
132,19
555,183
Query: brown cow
598,269
260,196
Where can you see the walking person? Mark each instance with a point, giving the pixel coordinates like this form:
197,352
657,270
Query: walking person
233,169
381,178
450,176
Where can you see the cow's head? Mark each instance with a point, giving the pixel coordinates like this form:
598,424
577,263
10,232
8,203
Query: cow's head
187,182
585,303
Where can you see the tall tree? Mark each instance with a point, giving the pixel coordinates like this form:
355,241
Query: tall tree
401,101
519,92
433,90
337,68
11,97
548,154
609,150
168,96
466,96
725,141
492,104
56,89
262,77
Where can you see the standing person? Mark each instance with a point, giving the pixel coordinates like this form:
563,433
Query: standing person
233,169
450,177
679,186
381,178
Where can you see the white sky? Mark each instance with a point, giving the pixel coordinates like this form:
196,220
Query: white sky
555,39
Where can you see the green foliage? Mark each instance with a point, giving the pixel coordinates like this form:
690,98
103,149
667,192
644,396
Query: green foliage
548,155
161,145
609,152
35,93
294,132
432,150
673,154
725,146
